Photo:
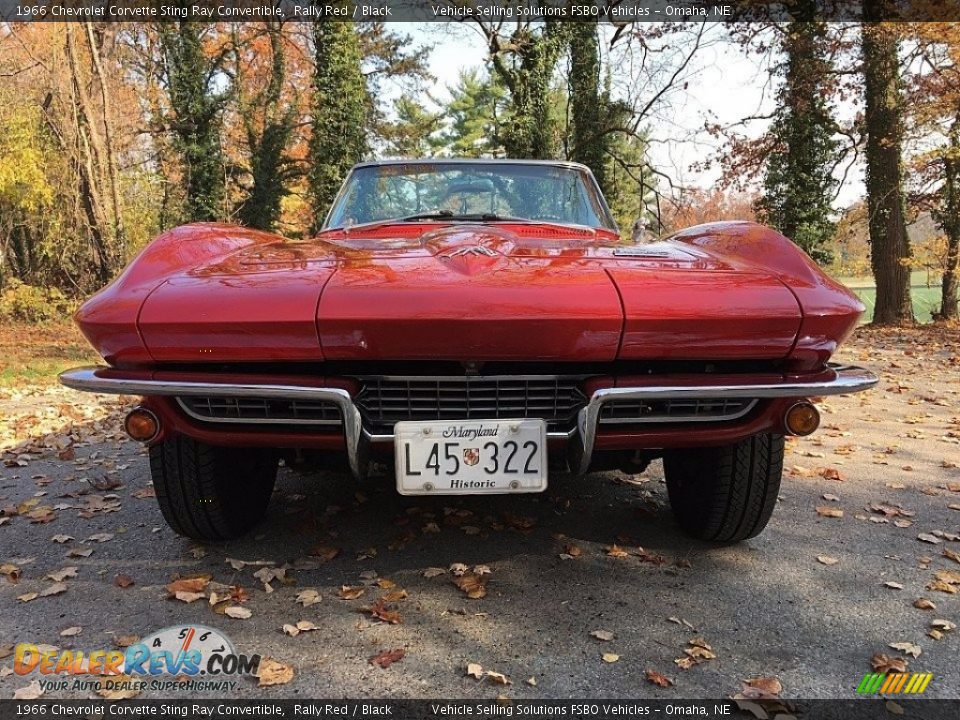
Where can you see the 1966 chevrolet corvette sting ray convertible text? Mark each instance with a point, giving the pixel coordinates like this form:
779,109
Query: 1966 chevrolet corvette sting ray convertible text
478,325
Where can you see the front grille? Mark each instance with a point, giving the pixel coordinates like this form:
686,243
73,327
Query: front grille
384,401
215,408
675,410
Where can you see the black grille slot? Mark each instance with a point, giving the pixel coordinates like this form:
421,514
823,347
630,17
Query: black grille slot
675,410
386,401
216,408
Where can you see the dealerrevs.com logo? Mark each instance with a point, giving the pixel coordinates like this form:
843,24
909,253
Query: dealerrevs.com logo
199,657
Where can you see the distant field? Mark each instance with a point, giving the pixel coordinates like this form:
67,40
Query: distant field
926,300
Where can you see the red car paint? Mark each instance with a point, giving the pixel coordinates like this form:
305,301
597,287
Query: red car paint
212,294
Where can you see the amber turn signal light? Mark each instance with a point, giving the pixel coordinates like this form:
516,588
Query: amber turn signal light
802,418
141,424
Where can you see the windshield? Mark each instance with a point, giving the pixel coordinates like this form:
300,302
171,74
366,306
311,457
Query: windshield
469,191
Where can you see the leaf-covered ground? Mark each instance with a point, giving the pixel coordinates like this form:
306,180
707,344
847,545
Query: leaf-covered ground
586,590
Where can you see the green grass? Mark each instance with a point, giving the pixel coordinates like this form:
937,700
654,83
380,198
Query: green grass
926,300
35,353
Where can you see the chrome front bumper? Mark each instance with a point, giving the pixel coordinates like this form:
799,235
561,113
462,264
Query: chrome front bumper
837,380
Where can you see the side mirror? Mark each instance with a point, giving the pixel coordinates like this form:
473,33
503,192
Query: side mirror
642,231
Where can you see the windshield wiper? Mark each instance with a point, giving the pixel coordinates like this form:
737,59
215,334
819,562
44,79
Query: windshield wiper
436,215
468,217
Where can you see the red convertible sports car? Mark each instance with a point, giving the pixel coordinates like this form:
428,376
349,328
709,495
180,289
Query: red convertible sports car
475,325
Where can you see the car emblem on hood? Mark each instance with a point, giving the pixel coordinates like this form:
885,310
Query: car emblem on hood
474,250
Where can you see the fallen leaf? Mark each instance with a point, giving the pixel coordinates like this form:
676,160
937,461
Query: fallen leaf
928,538
62,538
71,631
893,585
617,552
117,687
497,678
78,553
472,585
386,658
827,511
951,554
531,681
60,575
434,572
924,604
395,595
827,560
761,688
308,597
125,641
831,474
658,678
943,587
29,692
348,592
907,648
609,657
943,625
380,611
100,537
948,576
123,581
11,571
237,612
881,662
604,635
474,670
27,597
300,627
189,585
54,589
187,597
273,672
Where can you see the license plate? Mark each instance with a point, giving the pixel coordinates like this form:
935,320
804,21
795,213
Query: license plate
471,457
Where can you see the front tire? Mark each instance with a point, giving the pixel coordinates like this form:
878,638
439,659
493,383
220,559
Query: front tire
725,494
211,493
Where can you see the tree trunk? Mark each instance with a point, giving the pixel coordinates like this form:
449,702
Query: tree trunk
889,244
950,223
589,139
109,143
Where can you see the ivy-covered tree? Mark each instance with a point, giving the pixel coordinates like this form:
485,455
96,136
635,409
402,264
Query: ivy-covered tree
268,119
525,62
194,83
588,132
339,111
799,183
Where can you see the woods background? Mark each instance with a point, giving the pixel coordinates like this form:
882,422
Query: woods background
111,133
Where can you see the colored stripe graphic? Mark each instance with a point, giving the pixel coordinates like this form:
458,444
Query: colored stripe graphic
894,683
901,682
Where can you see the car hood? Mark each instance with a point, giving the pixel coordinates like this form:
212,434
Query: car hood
470,292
